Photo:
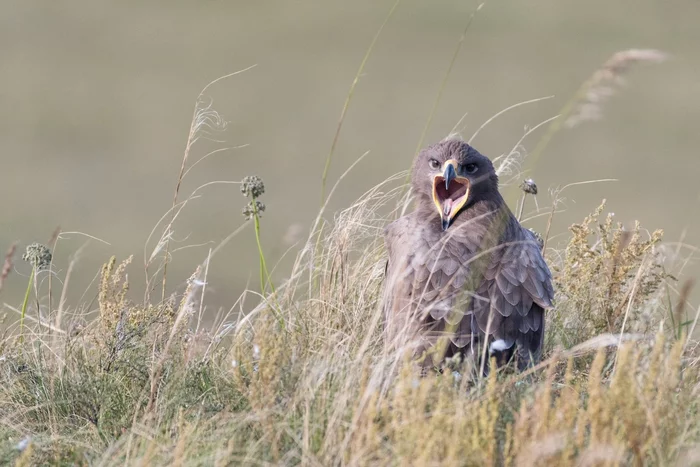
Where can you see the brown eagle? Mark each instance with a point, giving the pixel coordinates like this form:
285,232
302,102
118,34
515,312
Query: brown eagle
463,276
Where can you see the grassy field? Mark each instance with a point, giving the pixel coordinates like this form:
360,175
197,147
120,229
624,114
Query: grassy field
305,378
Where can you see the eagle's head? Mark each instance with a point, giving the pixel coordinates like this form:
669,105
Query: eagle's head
451,176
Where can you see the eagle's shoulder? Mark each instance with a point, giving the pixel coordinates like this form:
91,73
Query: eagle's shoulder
400,226
400,232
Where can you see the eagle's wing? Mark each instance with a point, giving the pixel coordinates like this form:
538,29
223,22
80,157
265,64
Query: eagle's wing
518,284
434,290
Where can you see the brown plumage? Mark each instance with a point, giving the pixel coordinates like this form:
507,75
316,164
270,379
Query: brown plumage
461,267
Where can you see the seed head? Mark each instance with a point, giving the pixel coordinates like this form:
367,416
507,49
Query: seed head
253,186
529,186
607,80
38,255
251,209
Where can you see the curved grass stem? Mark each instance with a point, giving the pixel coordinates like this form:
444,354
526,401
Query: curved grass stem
348,98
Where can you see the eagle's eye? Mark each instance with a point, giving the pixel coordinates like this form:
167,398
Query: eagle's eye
434,164
471,168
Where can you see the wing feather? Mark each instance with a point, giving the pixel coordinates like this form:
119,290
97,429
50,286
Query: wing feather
519,291
508,302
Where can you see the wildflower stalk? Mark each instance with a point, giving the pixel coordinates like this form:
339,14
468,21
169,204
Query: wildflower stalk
39,257
25,303
253,187
264,274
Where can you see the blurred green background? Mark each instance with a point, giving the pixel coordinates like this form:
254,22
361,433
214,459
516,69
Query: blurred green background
96,99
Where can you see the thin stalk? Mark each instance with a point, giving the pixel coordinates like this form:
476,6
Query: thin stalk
441,89
349,98
261,261
443,84
522,205
190,141
25,303
264,274
549,227
670,302
192,138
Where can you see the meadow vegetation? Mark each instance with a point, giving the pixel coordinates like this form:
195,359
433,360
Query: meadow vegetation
305,378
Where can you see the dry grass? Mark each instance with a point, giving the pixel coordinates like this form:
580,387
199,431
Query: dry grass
305,378
136,386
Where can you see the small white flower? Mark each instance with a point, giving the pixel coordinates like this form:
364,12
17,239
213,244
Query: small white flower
256,351
234,363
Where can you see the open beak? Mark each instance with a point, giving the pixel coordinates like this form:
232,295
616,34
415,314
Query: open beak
450,192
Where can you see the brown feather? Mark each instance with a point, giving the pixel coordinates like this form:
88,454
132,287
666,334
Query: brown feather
482,278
